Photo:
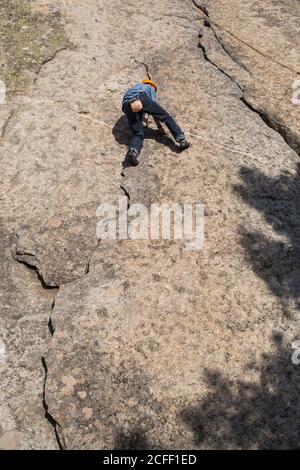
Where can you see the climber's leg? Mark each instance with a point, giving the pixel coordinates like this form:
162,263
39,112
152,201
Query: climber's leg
136,125
153,108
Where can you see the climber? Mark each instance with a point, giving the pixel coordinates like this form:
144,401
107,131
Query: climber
137,101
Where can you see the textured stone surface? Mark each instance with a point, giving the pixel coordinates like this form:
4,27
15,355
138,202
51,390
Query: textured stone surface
149,345
258,46
25,308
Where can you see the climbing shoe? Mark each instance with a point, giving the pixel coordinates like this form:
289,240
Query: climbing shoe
183,144
131,157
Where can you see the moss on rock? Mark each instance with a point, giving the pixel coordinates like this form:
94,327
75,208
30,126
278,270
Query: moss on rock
29,38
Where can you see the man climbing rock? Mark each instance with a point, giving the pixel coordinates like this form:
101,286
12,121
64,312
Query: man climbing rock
137,101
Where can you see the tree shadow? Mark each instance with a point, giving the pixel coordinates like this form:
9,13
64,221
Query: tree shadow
122,135
244,415
263,414
275,261
135,439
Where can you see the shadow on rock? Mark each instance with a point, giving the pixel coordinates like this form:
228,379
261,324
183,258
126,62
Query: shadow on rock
122,135
135,439
263,415
277,262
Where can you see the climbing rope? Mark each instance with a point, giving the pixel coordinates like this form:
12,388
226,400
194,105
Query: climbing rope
229,149
197,136
89,117
204,16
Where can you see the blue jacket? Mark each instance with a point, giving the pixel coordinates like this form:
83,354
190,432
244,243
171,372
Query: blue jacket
134,91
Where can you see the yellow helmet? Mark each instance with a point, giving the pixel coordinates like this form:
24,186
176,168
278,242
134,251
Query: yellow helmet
150,82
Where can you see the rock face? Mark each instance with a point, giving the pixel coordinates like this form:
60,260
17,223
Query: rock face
258,47
143,344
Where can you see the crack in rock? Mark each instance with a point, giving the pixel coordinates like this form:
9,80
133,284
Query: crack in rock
126,193
291,139
201,8
6,124
50,324
30,261
233,58
273,122
49,59
146,68
87,269
205,55
209,21
58,430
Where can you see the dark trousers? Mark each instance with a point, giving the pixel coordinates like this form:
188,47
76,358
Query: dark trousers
136,123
